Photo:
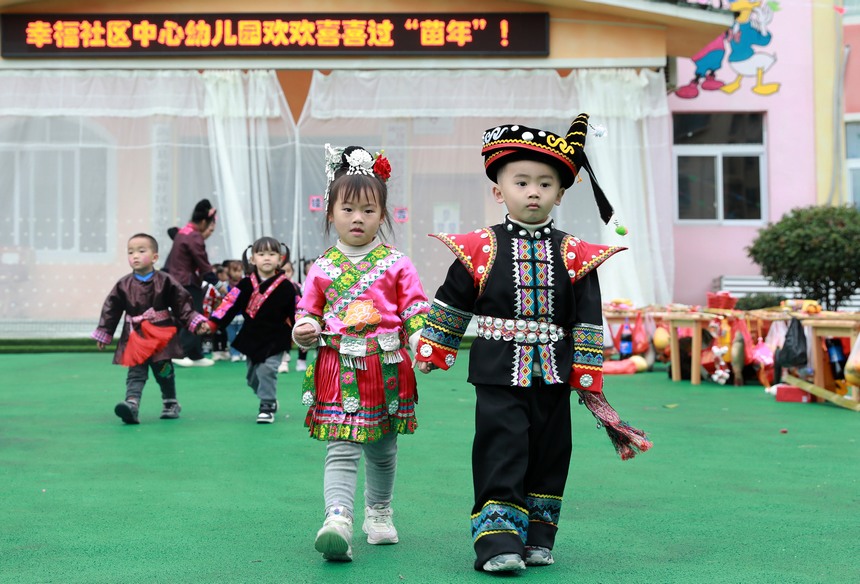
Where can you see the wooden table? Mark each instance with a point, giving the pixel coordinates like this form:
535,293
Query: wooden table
698,322
826,327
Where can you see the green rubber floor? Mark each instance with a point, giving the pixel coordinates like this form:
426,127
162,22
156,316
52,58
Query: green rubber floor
737,489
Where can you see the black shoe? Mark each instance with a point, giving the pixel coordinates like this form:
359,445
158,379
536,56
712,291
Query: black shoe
170,409
267,412
127,411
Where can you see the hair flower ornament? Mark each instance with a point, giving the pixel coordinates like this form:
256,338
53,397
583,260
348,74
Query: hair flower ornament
359,161
381,166
354,160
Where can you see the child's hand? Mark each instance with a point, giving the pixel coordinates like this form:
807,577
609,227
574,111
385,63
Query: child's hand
100,345
305,335
203,329
426,366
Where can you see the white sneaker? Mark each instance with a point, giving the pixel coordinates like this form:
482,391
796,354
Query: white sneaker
505,563
301,365
235,358
204,362
538,556
265,418
220,356
379,526
284,367
333,538
184,362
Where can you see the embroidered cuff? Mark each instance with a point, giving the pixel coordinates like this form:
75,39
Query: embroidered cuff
101,336
442,334
414,317
196,322
587,370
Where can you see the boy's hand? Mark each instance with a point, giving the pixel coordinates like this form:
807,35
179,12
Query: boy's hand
426,366
100,345
305,335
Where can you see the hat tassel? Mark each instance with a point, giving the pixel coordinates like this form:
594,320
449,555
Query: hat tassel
603,204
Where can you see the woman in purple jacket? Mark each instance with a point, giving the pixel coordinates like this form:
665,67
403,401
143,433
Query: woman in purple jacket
189,264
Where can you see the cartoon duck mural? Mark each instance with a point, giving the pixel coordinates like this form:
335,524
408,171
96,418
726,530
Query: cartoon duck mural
748,31
707,61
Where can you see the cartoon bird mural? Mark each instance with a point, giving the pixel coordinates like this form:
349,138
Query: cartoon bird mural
748,31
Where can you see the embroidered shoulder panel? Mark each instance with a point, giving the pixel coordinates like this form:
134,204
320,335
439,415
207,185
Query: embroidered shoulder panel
581,257
476,251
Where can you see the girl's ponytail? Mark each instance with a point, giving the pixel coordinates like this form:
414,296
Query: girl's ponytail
285,254
246,263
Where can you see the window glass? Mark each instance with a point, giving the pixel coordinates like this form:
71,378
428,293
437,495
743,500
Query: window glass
696,193
720,160
704,128
741,187
852,7
852,139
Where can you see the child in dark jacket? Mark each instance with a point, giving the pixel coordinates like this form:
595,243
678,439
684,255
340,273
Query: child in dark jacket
267,301
154,305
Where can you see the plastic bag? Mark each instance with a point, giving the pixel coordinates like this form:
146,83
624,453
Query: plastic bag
762,353
793,351
776,335
641,338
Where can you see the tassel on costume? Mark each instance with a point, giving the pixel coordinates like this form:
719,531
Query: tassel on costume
139,348
628,441
352,362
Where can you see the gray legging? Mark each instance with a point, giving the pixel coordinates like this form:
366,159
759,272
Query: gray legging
341,472
138,374
263,378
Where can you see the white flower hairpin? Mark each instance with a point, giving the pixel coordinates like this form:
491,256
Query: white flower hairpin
360,162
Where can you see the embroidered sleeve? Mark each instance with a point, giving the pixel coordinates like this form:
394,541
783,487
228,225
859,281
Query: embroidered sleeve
587,369
448,318
411,299
227,303
442,334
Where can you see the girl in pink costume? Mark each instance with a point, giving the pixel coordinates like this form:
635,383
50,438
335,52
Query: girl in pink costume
362,304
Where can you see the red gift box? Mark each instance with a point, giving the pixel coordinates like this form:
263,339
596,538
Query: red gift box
790,393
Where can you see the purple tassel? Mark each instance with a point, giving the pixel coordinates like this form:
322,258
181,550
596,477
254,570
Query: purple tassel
628,441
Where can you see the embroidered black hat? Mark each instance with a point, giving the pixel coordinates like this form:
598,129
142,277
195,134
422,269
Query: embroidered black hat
508,143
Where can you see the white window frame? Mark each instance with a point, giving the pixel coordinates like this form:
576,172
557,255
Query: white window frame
718,152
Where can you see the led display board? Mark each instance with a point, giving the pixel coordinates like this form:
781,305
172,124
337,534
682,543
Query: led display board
275,34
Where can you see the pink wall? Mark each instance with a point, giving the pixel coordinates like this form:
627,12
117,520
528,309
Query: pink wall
851,38
705,252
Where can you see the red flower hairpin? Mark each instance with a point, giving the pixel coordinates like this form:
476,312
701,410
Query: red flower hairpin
381,166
